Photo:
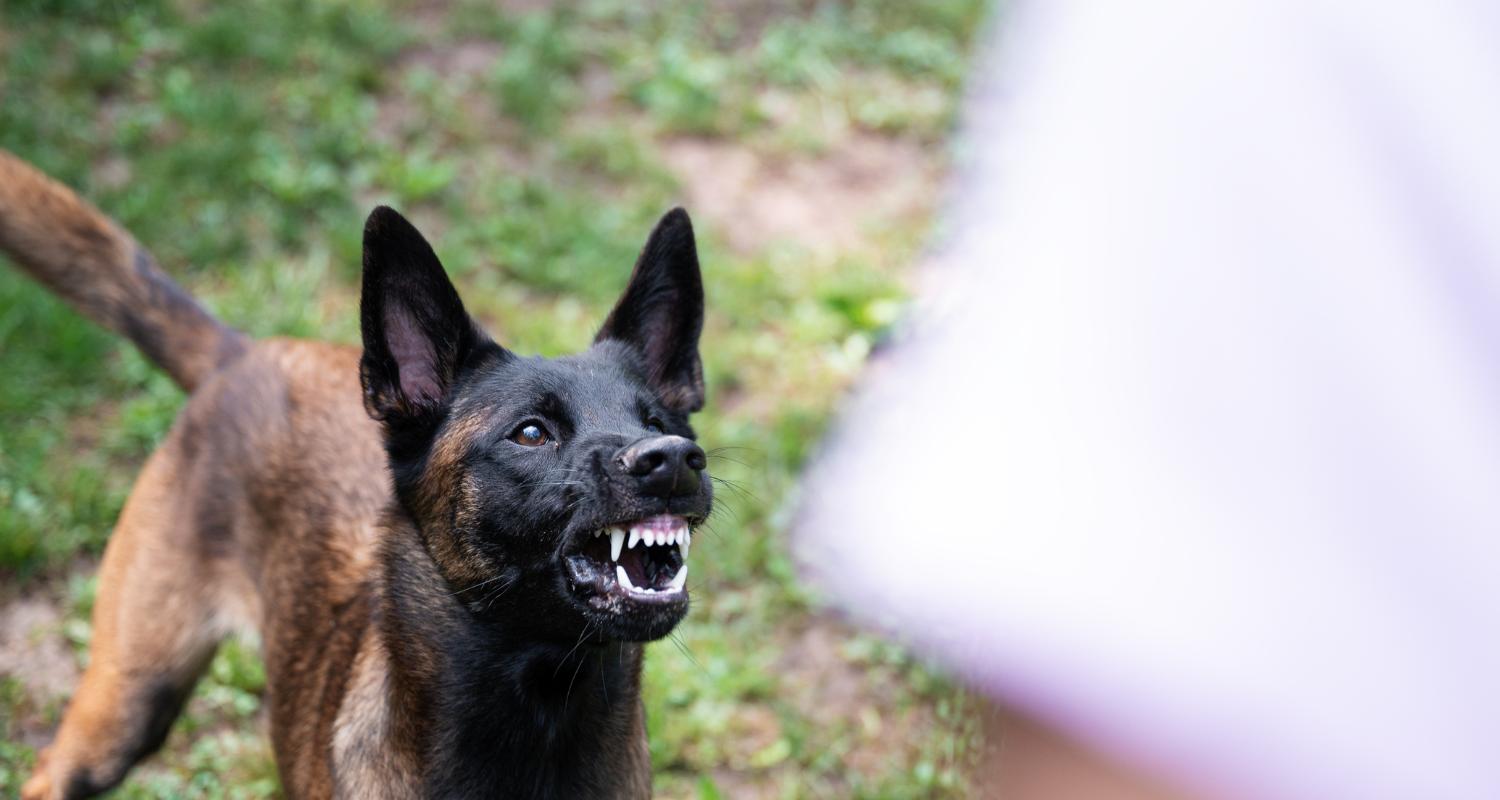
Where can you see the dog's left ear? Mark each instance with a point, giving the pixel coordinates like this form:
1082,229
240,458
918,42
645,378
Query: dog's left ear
661,313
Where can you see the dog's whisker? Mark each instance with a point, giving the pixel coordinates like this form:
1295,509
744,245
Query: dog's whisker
497,593
567,471
736,486
603,684
708,524
720,510
477,585
723,448
581,636
569,695
730,459
683,648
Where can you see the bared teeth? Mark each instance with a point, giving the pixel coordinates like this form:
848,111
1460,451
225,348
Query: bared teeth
682,536
679,582
678,534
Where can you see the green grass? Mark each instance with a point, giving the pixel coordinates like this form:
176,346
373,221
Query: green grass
243,144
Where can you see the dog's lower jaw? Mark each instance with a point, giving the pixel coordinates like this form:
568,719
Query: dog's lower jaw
486,710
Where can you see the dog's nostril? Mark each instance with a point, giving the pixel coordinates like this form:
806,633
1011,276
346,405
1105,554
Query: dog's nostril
697,461
647,463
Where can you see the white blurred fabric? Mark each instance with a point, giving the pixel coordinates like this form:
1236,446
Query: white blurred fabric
1194,451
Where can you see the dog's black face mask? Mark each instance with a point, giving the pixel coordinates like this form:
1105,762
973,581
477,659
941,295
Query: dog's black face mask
559,494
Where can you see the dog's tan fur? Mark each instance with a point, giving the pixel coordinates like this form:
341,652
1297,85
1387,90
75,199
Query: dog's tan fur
263,507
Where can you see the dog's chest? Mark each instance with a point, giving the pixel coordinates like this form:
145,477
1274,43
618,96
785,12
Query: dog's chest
577,731
368,760
480,738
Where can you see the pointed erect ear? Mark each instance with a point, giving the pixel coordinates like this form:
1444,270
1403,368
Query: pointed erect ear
661,313
415,330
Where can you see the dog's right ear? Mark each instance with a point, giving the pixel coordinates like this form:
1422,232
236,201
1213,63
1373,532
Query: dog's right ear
416,332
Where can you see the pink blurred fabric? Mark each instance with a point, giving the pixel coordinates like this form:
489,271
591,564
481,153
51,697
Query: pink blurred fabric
1193,446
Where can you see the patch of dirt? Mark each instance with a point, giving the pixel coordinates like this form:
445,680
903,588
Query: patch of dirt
461,67
753,17
827,202
36,654
430,17
830,689
88,428
465,61
753,729
867,709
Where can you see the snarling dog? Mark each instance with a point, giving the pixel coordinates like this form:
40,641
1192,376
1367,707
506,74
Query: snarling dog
452,553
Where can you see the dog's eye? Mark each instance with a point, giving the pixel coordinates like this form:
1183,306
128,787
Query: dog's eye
654,425
530,434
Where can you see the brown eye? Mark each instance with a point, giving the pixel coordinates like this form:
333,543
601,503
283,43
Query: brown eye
530,435
654,425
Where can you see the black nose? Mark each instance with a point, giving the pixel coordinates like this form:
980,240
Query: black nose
667,466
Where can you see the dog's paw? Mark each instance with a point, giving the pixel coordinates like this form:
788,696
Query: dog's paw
39,785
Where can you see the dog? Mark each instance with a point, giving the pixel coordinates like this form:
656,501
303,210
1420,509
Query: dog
452,554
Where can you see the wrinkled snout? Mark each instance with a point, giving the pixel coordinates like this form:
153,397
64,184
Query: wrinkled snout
664,466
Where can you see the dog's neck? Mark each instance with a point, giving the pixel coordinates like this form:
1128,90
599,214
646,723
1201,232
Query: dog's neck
483,706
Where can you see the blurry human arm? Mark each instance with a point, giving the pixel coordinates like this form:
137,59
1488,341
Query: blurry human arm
1026,759
1207,393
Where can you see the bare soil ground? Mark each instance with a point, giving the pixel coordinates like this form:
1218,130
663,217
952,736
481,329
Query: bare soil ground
827,202
35,651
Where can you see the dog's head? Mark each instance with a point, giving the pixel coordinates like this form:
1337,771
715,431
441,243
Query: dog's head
562,493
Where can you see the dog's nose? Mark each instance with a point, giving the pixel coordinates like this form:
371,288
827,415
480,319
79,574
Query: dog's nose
667,466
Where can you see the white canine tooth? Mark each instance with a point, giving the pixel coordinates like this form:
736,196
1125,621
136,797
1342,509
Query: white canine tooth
623,578
680,579
616,543
687,542
635,536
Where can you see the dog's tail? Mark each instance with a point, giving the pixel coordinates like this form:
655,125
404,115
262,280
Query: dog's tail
71,248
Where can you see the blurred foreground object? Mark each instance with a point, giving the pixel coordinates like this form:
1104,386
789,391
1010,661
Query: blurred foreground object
1193,450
